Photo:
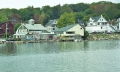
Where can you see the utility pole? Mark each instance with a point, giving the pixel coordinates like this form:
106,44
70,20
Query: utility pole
6,31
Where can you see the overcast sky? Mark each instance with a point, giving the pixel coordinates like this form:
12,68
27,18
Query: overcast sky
39,3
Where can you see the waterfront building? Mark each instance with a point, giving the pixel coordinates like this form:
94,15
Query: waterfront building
30,31
51,25
70,32
99,24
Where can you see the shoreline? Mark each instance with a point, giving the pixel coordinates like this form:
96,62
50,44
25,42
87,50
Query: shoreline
103,37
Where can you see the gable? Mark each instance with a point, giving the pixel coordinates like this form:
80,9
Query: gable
76,27
102,19
22,27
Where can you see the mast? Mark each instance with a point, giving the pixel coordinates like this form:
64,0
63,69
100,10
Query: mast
6,31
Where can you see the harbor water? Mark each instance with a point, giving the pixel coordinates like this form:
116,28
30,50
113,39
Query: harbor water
89,56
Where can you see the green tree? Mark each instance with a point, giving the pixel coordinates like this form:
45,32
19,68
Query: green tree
86,18
16,26
89,11
111,10
105,16
25,14
65,8
3,18
46,19
117,15
79,15
56,12
86,35
66,19
8,12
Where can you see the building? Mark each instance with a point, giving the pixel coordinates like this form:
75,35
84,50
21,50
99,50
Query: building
6,27
30,31
118,24
51,25
99,24
70,32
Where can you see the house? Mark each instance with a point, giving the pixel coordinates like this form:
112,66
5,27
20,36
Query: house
70,32
30,31
51,25
99,24
6,27
118,24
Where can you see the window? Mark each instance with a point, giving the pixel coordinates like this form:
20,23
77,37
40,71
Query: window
53,28
70,32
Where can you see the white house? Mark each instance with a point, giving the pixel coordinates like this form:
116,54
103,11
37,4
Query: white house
51,25
30,30
70,31
99,24
118,24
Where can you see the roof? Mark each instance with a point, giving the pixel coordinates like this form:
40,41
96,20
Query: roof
35,27
4,24
51,22
80,21
96,18
65,28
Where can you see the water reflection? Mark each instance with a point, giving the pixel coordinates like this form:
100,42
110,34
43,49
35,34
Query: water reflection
8,49
90,56
55,47
40,48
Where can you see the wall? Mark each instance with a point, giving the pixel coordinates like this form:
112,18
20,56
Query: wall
78,30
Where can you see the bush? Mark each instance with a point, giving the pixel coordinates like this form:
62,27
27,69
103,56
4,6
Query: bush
86,35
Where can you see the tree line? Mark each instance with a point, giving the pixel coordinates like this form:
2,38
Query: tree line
82,11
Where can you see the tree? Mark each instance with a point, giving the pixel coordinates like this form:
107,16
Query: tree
46,19
56,12
79,15
38,18
15,18
16,26
65,8
100,8
66,19
117,15
8,12
111,10
89,11
105,16
86,18
25,14
86,35
3,18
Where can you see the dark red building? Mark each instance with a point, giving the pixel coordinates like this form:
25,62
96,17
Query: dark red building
8,26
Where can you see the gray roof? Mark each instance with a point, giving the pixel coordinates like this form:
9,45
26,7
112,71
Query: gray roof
51,22
96,18
35,27
65,28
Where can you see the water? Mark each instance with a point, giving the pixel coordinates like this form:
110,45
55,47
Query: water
91,56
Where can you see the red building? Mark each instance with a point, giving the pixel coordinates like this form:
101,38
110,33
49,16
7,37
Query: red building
8,26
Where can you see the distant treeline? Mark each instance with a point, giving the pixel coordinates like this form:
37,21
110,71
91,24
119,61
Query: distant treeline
83,11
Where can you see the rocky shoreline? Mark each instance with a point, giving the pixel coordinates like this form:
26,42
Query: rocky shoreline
104,37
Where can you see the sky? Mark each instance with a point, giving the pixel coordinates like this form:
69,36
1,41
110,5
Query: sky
17,4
